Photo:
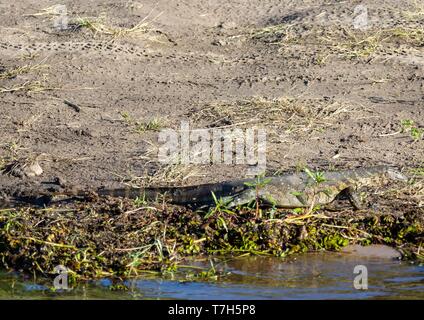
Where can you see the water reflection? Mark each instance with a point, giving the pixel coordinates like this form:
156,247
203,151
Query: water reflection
309,276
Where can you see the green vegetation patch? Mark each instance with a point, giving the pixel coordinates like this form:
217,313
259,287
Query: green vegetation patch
124,239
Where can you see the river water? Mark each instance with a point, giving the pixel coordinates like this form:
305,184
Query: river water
308,276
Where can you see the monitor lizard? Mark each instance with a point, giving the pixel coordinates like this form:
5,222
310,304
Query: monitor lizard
295,190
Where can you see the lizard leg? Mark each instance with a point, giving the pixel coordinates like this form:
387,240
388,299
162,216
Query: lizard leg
242,198
354,198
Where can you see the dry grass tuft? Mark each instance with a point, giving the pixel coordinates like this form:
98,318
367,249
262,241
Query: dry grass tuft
49,11
339,41
9,74
352,45
288,114
412,36
416,13
363,44
98,26
280,33
39,84
154,124
172,174
27,87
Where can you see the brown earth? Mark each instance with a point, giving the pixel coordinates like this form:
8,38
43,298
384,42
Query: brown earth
329,95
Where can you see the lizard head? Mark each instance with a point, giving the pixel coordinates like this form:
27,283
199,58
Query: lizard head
396,175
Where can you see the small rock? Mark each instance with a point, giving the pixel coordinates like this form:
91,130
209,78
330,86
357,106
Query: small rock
23,168
83,132
33,169
228,25
220,42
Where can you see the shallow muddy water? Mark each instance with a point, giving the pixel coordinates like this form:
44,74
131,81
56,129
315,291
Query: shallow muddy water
310,276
